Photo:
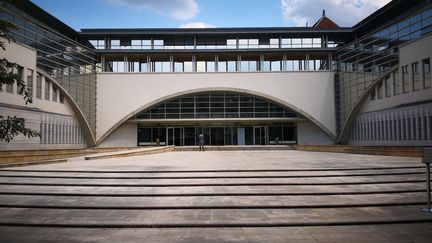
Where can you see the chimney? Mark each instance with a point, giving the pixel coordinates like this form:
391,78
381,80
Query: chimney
323,13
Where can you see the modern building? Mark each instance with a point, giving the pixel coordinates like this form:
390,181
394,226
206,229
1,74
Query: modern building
369,84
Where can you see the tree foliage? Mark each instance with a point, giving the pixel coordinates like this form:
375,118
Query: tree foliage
12,126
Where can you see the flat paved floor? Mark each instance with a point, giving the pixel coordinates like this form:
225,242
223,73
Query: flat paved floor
223,196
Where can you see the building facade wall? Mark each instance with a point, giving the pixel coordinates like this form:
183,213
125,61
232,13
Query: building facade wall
120,94
49,113
124,136
399,110
309,134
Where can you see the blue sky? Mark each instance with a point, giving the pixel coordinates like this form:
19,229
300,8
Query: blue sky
205,13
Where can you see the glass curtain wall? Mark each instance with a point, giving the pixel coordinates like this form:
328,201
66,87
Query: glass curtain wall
72,64
216,105
362,61
218,135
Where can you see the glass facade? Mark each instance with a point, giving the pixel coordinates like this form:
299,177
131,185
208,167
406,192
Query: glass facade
242,120
216,42
216,105
227,62
72,64
371,56
257,134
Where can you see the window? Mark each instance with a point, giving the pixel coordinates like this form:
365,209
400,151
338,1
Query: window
21,76
178,66
133,67
9,87
396,83
415,76
206,63
115,44
30,82
276,65
158,44
54,94
61,98
274,43
145,44
426,73
248,43
222,66
388,86
215,105
380,90
231,44
161,66
201,66
116,66
249,64
373,94
231,66
47,90
405,79
296,43
98,44
38,86
286,43
211,66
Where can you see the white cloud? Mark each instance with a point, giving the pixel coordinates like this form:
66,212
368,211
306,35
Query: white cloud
197,25
179,9
345,13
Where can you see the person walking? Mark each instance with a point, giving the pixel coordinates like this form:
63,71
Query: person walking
201,141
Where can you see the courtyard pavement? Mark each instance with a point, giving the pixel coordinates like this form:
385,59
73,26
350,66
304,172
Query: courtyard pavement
217,196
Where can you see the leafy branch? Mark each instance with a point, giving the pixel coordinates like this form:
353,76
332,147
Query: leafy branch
11,126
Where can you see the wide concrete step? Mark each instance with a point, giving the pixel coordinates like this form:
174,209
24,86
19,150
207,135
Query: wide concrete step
210,190
211,175
380,179
206,201
211,217
231,170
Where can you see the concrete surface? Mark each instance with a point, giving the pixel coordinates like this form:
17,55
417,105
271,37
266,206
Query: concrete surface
217,196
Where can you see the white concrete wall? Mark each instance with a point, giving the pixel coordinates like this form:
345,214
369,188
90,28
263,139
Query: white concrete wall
124,136
309,134
61,127
26,57
120,94
415,50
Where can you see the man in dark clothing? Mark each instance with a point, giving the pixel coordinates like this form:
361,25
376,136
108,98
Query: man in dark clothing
201,141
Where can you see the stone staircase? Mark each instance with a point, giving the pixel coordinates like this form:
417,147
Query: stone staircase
228,198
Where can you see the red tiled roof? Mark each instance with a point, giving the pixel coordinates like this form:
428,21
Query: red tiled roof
325,22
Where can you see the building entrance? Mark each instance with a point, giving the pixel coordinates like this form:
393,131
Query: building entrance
260,136
175,136
277,133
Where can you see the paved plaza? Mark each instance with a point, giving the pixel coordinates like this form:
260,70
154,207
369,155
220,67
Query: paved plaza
218,196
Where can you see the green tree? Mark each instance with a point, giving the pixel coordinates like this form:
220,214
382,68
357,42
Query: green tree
12,126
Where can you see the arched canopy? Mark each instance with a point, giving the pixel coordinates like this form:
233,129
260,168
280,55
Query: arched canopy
288,110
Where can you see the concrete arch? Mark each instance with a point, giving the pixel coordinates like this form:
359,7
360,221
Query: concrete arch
90,139
226,89
343,138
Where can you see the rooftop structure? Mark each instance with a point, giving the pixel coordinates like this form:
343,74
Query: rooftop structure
325,84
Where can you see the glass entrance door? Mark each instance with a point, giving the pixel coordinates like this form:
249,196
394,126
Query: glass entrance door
175,136
259,136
